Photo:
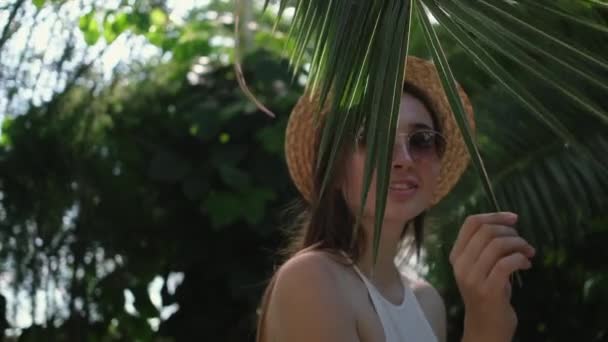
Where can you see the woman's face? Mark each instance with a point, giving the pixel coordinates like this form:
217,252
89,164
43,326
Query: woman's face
413,178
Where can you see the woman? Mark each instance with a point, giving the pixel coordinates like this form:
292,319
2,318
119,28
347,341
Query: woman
325,290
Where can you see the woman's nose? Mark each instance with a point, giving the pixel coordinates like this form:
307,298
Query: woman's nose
401,155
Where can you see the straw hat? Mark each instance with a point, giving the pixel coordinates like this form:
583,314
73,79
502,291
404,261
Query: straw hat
301,131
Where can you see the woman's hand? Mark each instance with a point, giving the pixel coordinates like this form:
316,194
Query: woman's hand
487,251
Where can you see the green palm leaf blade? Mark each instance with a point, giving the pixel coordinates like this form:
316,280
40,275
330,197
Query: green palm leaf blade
303,31
449,85
282,6
478,23
525,210
498,72
556,183
500,9
339,78
333,138
555,171
560,13
537,205
599,3
387,140
503,77
552,213
370,127
588,177
556,58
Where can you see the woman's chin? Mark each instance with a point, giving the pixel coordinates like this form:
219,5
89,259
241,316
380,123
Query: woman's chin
403,211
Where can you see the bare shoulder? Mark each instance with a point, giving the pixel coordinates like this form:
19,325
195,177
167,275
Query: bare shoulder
432,305
315,267
319,266
306,303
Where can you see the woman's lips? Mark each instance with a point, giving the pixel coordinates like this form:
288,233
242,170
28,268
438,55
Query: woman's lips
402,191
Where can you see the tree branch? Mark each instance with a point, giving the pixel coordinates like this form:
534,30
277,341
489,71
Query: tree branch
7,32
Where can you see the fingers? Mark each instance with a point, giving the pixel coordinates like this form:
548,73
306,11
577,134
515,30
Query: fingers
498,248
500,273
473,223
484,236
486,252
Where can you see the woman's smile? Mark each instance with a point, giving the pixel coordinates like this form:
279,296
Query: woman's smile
403,190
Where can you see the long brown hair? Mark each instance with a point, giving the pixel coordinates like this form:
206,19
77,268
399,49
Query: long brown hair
327,224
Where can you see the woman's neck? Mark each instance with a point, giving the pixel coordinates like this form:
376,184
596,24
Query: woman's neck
385,272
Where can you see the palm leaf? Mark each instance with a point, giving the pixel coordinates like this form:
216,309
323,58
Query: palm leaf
449,84
569,17
474,20
555,189
551,185
493,68
357,64
499,9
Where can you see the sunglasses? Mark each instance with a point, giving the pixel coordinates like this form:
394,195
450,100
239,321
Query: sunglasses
424,144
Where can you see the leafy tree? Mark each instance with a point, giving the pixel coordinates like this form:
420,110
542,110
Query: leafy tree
160,167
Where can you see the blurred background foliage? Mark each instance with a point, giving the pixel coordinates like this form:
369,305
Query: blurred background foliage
142,195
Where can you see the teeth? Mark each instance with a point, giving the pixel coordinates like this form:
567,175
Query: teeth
402,186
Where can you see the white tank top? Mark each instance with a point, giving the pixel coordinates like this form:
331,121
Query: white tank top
404,322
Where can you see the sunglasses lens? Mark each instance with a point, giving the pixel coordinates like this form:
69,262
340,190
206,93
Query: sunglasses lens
426,144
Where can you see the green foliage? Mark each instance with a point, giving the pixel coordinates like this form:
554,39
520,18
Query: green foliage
140,170
150,189
90,28
485,29
560,195
114,25
169,168
39,3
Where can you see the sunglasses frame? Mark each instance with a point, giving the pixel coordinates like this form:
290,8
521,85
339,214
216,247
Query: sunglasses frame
408,136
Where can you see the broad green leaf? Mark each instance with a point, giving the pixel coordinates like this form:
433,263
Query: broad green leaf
140,21
108,31
90,28
255,203
92,34
158,17
223,208
83,22
233,177
120,23
226,208
114,25
168,166
5,126
39,3
156,36
272,137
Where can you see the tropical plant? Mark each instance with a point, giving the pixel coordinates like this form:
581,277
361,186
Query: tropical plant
361,64
121,180
562,201
116,182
